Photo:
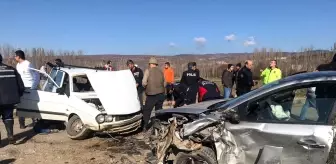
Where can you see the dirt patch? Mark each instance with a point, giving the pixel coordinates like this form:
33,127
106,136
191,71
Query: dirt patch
123,149
57,148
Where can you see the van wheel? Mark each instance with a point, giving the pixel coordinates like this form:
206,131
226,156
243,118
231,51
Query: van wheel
76,129
204,155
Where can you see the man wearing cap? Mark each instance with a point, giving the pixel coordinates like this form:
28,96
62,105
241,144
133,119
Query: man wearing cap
11,89
154,83
31,78
138,76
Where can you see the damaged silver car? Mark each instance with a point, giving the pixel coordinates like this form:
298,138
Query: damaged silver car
290,121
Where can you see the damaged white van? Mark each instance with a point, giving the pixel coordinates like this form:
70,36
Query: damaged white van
87,100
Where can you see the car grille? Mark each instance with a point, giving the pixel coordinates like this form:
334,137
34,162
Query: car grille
125,117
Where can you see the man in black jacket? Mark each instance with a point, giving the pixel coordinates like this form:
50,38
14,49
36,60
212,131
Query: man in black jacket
235,73
178,90
138,76
190,78
244,79
11,89
227,81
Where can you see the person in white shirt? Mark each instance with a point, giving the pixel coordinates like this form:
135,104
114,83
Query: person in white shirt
29,77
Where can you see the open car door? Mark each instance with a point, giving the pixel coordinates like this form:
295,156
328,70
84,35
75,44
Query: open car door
47,103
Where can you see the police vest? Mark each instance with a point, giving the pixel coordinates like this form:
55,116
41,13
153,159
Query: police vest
9,86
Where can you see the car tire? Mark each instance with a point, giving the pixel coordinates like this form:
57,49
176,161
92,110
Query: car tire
205,154
76,130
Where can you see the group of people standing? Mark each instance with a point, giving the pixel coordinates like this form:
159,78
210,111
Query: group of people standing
242,77
159,85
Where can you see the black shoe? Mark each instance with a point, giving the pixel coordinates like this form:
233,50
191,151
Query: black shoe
22,123
11,140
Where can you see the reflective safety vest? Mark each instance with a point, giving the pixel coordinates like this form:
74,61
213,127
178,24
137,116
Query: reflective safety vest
269,75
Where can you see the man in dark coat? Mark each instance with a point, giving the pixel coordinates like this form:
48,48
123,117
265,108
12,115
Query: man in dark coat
244,79
138,76
190,78
11,89
227,81
178,90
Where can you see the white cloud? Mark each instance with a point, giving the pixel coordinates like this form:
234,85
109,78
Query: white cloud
250,41
230,37
200,40
172,44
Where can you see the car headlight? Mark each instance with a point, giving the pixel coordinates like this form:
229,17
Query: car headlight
108,118
100,118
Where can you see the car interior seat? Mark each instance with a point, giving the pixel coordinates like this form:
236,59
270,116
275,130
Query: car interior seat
75,86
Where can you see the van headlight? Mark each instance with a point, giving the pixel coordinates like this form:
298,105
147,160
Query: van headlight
100,118
108,118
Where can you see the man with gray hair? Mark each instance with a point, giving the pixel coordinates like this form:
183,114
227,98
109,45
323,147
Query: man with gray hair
244,79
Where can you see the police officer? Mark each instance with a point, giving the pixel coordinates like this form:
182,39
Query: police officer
11,89
244,79
190,79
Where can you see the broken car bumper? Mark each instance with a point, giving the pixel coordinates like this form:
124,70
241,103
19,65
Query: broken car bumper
124,126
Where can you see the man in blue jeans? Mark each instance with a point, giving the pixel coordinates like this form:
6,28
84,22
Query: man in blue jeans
227,82
310,102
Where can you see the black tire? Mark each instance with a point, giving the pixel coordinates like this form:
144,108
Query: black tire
205,154
77,134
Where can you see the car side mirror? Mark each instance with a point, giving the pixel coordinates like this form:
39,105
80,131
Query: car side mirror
60,91
235,119
232,116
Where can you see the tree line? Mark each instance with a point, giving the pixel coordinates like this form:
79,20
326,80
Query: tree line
210,65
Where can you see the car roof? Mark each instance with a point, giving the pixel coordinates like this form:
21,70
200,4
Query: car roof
76,71
310,76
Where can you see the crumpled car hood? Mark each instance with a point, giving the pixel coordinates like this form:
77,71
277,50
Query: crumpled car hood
116,91
191,109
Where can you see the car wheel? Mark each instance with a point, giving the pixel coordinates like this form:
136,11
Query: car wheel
203,156
76,129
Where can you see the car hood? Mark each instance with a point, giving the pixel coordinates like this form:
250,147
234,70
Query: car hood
116,91
192,109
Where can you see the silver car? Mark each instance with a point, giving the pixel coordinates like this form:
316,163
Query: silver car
289,121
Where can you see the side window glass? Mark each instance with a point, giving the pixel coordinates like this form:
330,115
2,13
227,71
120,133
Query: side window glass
308,104
81,84
57,76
